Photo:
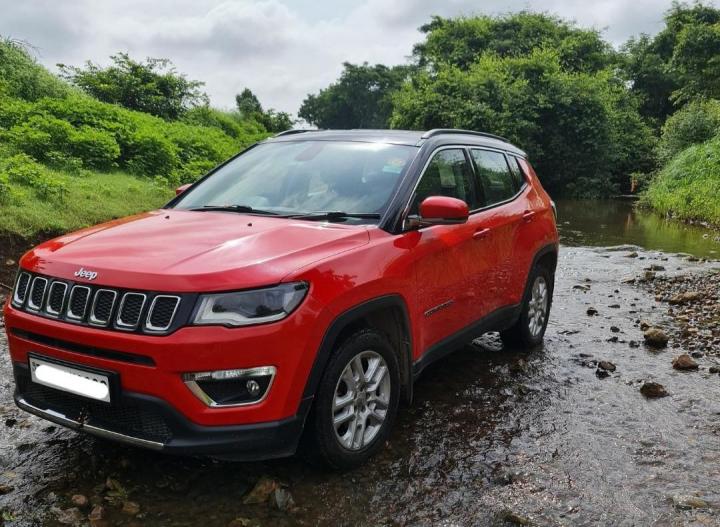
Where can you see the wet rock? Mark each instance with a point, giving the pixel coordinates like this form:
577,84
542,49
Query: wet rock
606,365
653,390
5,489
601,374
684,362
10,422
615,329
634,344
262,491
514,518
80,500
518,366
685,298
582,287
97,513
656,338
614,306
644,325
684,502
656,267
714,369
131,508
71,516
282,499
591,311
631,255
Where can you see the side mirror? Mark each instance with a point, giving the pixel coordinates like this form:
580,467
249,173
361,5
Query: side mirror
441,210
182,189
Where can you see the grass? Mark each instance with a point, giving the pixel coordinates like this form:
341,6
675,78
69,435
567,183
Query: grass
89,199
688,187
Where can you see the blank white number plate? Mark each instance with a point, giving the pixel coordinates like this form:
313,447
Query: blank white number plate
79,382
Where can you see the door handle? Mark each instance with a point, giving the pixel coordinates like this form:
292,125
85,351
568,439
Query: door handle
528,215
480,234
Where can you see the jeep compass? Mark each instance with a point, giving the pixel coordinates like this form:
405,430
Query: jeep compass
296,291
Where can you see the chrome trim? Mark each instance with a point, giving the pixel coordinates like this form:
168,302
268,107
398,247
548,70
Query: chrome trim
30,305
191,379
157,329
92,319
118,320
58,418
69,313
17,301
48,310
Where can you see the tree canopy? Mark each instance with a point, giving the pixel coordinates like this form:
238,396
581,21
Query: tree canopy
153,86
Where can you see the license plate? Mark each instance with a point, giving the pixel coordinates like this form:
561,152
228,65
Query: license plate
72,380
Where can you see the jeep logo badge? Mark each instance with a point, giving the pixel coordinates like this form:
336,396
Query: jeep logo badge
84,273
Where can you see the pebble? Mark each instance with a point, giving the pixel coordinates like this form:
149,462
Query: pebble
591,311
79,500
653,390
656,337
606,365
684,362
130,508
262,491
689,502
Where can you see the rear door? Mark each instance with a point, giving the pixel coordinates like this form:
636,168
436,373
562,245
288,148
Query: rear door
500,218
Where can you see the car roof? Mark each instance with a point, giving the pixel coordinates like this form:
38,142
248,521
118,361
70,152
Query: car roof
439,137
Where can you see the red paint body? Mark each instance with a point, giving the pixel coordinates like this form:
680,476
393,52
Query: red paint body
482,265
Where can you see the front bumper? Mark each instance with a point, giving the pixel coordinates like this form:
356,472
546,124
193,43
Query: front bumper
149,422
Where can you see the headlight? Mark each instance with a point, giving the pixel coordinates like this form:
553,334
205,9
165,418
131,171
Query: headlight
250,307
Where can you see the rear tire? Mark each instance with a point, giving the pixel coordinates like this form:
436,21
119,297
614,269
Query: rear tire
529,329
356,402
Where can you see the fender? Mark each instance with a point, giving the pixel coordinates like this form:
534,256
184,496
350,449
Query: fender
344,320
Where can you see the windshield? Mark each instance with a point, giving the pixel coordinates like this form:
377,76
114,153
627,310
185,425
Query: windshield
306,177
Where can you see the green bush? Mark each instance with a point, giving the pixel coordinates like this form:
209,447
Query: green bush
97,148
191,172
40,135
21,76
695,123
151,154
689,186
4,187
23,170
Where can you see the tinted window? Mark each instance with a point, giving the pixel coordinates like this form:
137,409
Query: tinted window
307,176
496,181
516,171
448,174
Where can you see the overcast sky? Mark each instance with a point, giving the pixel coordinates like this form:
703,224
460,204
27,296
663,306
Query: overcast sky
280,49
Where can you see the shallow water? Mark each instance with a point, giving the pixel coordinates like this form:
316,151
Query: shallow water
488,437
617,222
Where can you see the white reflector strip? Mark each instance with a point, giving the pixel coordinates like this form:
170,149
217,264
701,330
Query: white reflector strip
74,381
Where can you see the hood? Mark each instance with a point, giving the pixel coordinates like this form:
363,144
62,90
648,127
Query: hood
184,251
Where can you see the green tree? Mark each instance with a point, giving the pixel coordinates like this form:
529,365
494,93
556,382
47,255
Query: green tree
461,41
361,98
581,129
153,86
248,104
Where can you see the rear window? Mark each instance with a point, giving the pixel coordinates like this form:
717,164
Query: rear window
498,184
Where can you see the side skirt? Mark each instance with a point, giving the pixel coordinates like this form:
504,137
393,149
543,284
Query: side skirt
500,319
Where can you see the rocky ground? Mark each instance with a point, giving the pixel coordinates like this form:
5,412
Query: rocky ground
614,421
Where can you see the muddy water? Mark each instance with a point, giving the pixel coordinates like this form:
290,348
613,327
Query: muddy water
494,434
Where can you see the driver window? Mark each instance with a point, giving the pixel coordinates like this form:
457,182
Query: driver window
448,174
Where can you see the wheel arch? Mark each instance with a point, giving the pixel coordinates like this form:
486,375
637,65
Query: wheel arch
388,314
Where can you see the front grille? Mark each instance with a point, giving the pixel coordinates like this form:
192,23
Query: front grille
130,310
162,312
21,288
56,298
79,298
124,418
100,307
37,293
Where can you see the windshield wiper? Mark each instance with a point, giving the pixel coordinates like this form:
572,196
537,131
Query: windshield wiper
335,215
246,209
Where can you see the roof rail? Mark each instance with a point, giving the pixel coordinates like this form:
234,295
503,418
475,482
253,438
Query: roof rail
438,131
294,131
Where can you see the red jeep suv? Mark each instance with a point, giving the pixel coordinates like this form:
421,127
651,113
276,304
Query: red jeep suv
297,290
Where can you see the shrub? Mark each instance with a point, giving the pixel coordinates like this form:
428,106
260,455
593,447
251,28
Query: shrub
96,148
4,187
695,123
24,170
151,154
40,135
191,172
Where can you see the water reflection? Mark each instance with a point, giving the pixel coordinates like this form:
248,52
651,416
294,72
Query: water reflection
616,222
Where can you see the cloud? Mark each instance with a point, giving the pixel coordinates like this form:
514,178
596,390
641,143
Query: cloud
282,50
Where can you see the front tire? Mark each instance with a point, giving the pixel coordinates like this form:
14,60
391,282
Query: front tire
357,400
529,330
